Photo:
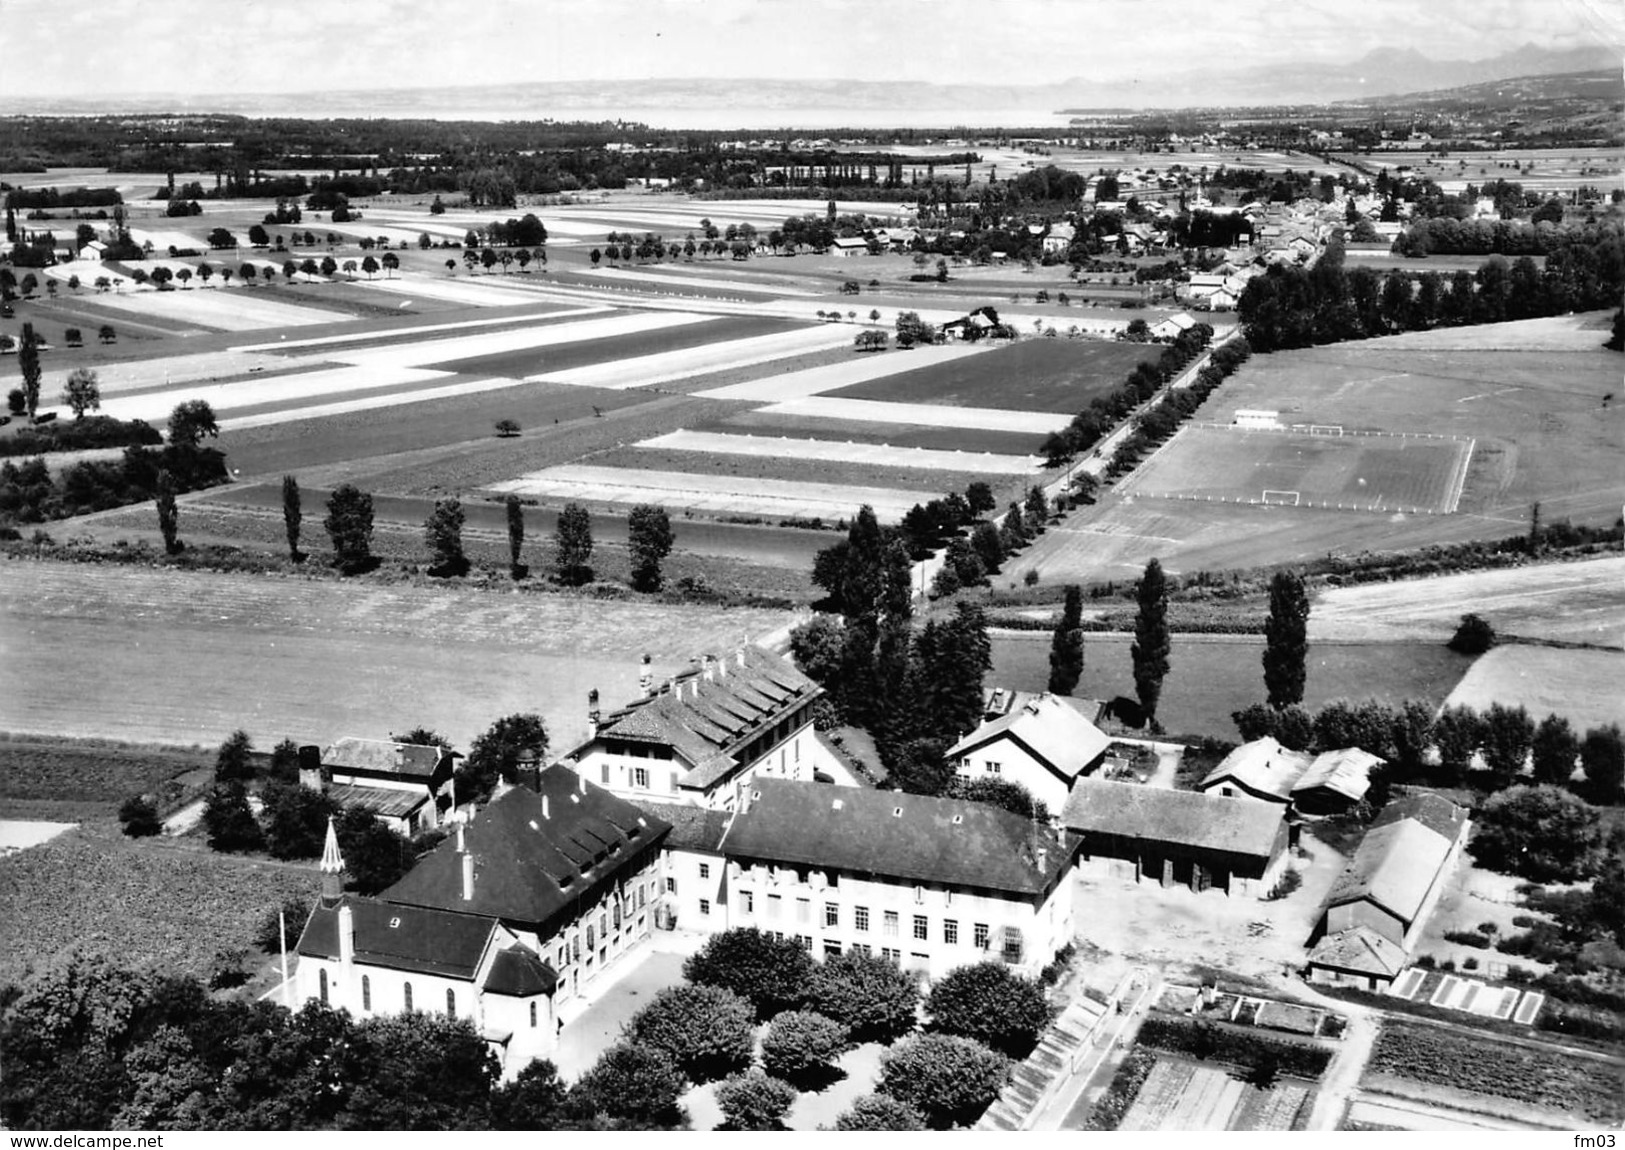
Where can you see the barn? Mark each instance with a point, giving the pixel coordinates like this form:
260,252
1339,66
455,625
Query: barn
1186,838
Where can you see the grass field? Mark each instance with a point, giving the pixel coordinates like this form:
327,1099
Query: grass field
1059,375
525,362
1584,687
1212,676
175,657
146,904
1540,429
1359,472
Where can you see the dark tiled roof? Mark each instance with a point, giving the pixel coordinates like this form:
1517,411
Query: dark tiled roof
408,938
521,973
1435,812
1184,818
933,840
709,713
1361,949
384,801
692,828
535,852
383,756
1393,868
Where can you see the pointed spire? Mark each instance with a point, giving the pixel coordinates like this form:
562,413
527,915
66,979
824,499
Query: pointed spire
332,868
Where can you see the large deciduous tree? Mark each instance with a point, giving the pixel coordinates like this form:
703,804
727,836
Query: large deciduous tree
572,545
708,1031
349,526
1066,647
232,762
873,997
1286,639
880,1112
1544,834
496,753
947,1079
1554,751
1602,756
28,364
516,535
82,392
801,1044
649,538
228,822
755,1101
168,512
1151,645
771,973
634,1084
375,857
1509,733
989,1003
191,422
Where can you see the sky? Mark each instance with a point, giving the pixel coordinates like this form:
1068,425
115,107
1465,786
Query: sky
194,47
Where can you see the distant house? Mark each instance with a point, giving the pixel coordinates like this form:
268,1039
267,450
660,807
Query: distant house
1335,781
94,250
1042,742
702,736
1388,891
853,246
1254,418
1059,239
409,787
1172,327
1321,784
1223,300
1186,838
980,322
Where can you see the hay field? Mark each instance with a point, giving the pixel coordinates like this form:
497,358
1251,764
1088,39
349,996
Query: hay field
902,427
838,376
673,364
1582,686
1355,472
824,451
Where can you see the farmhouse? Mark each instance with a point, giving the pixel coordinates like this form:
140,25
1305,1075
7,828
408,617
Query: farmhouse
408,787
552,885
1203,841
930,883
1335,781
1059,239
704,735
1311,784
1042,742
1388,890
855,246
1172,327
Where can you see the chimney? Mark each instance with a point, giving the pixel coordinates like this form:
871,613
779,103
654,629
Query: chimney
460,841
582,776
1041,856
528,772
346,936
468,876
646,678
310,768
545,812
741,656
592,713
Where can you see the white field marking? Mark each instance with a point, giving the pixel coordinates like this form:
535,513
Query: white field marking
154,407
418,353
833,451
372,402
643,275
460,290
238,311
713,492
683,363
860,369
921,414
402,332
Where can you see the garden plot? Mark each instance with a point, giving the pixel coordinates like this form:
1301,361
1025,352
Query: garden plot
1407,984
229,311
829,451
921,414
670,366
714,493
1178,1095
1533,1000
816,380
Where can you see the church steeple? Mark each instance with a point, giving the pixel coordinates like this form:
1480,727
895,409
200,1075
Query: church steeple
332,868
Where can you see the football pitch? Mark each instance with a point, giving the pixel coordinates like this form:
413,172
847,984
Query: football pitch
1326,468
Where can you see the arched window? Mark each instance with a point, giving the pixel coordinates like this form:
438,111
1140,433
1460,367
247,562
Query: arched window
408,997
533,1016
322,975
451,1003
366,993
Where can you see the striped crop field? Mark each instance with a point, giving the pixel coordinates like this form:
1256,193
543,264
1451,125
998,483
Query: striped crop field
831,451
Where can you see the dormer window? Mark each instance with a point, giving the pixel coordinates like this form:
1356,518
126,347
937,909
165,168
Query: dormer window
394,924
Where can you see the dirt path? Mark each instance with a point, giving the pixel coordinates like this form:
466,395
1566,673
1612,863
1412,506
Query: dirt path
1342,1078
1578,602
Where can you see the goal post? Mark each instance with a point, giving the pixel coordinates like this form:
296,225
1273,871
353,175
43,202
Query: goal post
1281,498
1325,429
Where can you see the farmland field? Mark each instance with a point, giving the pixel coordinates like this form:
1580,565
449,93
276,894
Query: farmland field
1589,1089
766,421
1582,686
1211,676
1052,375
178,657
829,451
1188,1096
54,779
1360,472
138,904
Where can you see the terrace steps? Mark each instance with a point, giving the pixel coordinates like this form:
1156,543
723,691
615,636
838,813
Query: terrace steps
1051,1060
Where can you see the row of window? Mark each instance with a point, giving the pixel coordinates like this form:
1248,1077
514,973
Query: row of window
832,948
406,997
890,922
635,897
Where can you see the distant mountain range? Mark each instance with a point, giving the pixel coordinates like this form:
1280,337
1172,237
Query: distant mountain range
1384,72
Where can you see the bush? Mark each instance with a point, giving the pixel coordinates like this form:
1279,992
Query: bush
1291,879
707,1031
880,1112
1542,833
754,1101
874,998
989,1003
1051,974
1473,637
949,1080
1125,1085
140,817
268,935
799,1043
